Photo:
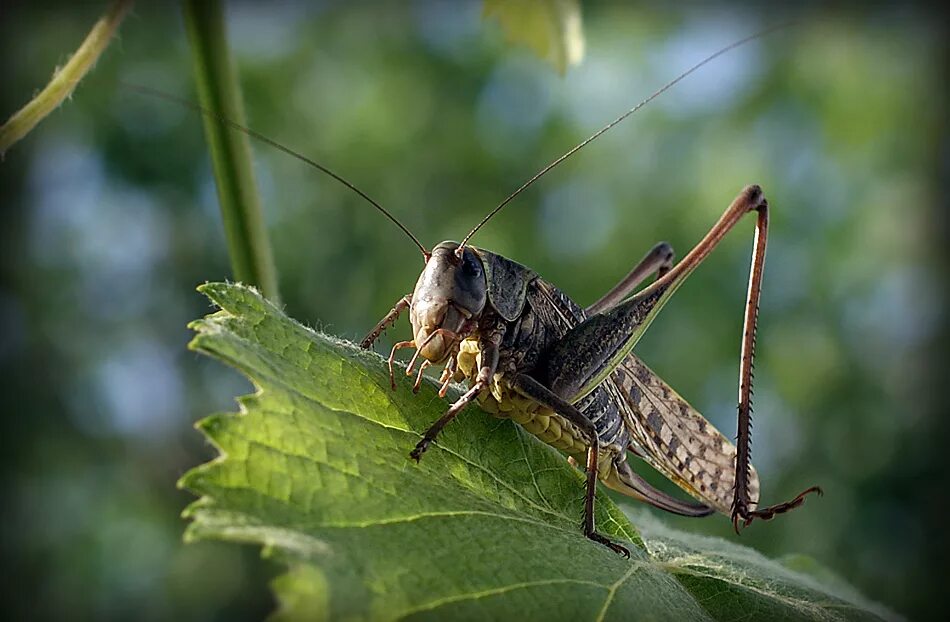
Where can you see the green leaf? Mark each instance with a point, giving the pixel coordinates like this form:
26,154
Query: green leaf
315,469
550,28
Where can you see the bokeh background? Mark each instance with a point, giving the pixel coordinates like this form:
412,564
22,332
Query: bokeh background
110,220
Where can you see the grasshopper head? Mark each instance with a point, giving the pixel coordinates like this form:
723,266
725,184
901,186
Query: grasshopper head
450,294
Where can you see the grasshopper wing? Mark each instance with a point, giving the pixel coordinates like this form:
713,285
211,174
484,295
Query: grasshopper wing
673,438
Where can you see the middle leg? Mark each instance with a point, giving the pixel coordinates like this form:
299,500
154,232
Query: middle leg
544,396
659,260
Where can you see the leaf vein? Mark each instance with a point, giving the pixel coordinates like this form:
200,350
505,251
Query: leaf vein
612,590
448,600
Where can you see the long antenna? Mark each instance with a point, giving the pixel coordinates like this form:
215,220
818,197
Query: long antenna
597,134
146,90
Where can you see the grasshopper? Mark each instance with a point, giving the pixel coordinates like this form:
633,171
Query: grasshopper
568,374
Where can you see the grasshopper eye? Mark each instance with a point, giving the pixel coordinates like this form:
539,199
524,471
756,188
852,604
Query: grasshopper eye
471,267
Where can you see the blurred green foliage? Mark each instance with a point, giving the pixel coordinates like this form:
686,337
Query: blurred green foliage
110,221
552,29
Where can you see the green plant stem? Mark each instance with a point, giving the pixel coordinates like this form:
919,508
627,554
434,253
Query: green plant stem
64,79
251,259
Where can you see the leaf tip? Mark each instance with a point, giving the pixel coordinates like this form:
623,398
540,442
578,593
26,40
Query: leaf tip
189,481
237,299
215,291
208,425
192,532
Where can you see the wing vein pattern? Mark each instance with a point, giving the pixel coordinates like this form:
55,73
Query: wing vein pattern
675,439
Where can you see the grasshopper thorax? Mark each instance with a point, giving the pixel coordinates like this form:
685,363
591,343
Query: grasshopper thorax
449,296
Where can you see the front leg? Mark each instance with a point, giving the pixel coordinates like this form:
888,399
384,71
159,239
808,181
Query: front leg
544,396
388,320
489,350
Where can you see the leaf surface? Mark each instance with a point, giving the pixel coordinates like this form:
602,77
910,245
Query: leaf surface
315,469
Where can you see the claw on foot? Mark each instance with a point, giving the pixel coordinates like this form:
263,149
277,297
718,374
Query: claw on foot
610,544
740,512
419,449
